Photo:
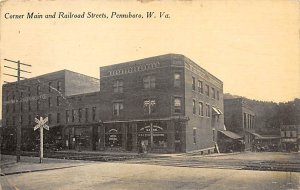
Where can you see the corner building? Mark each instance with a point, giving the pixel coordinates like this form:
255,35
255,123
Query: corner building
167,102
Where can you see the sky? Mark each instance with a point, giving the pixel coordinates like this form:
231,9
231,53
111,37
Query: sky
252,46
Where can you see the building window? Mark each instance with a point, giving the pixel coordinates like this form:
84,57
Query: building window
218,96
207,111
193,83
194,106
7,108
177,105
58,101
79,114
194,135
118,86
207,90
29,91
38,103
200,86
14,103
86,114
29,119
149,82
49,118
149,106
21,106
21,119
49,102
49,86
67,116
201,109
73,115
58,118
58,85
245,120
13,121
94,113
38,90
29,105
117,108
177,80
213,93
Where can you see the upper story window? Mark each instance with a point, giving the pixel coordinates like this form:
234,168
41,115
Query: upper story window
194,106
149,81
67,116
94,113
29,105
49,102
86,114
207,90
177,105
118,86
14,104
49,118
177,80
218,95
79,114
59,85
149,106
38,103
73,115
207,110
213,91
29,91
58,102
117,108
49,87
245,120
200,86
29,119
201,109
58,118
193,83
38,90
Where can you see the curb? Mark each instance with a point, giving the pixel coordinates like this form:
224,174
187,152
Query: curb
38,170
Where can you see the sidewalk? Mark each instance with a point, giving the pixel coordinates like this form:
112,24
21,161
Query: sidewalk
9,166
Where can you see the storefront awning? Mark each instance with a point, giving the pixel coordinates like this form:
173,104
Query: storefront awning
231,134
263,137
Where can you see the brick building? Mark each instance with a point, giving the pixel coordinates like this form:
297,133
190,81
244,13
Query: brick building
167,102
45,95
290,137
240,119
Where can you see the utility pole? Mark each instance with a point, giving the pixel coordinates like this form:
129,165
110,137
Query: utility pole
18,76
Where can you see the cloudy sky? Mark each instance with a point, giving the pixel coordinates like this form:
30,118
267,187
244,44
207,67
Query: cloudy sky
252,46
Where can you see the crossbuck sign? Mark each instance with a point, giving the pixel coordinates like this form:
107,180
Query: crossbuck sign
41,124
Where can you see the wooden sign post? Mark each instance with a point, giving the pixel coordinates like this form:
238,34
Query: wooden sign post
41,124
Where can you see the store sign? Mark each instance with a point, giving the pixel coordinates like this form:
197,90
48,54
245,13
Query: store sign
289,140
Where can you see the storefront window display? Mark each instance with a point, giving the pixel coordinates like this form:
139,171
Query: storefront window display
113,135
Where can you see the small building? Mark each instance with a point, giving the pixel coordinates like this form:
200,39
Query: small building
240,118
290,137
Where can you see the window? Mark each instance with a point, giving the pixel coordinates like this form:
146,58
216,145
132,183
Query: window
38,90
21,119
86,114
14,103
21,106
194,107
193,83
58,118
67,116
245,120
149,106
73,115
29,105
118,86
94,113
58,85
200,86
218,96
13,121
49,118
49,86
177,105
207,90
58,101
207,111
29,91
117,108
38,102
201,109
7,108
177,80
79,114
213,93
194,135
49,102
149,82
29,119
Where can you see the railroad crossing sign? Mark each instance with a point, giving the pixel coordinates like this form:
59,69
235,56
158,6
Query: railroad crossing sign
41,124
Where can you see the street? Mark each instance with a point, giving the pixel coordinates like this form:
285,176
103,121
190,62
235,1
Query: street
157,172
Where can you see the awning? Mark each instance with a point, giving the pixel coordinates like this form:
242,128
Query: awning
258,136
231,134
215,111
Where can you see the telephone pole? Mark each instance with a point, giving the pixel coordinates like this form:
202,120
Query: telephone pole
19,124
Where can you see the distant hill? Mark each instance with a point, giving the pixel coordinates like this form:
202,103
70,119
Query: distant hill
269,115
